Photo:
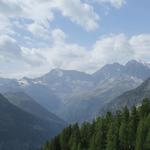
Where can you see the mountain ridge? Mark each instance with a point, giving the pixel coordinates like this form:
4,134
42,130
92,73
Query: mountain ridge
61,90
129,98
21,130
26,103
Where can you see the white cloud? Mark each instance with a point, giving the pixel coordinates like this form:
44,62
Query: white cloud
58,36
39,11
9,47
10,51
5,25
108,49
120,48
141,45
33,57
36,16
42,12
80,13
113,48
10,8
38,30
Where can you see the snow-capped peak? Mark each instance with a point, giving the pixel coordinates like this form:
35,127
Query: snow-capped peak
23,82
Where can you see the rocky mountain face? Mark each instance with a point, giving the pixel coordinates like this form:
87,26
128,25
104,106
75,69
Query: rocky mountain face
129,98
77,96
84,106
63,82
138,69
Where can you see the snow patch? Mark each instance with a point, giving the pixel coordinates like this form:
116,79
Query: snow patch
39,82
23,82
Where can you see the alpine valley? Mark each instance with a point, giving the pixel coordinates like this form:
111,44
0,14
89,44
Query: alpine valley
38,109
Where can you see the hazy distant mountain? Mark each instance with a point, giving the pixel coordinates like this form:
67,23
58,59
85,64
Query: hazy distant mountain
9,85
43,95
109,71
84,106
26,103
63,82
75,95
138,69
130,98
133,68
20,130
51,90
109,82
39,92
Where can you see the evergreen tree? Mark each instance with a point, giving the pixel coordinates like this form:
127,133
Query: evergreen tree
147,141
140,136
75,136
73,146
145,108
64,137
55,144
46,146
123,136
112,138
97,141
133,127
123,131
147,132
79,147
92,145
125,115
86,133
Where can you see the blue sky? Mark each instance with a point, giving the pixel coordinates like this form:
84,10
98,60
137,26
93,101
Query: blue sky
39,35
131,19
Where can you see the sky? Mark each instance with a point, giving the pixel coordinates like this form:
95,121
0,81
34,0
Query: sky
39,35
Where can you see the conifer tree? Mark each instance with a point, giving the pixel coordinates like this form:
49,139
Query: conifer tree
133,127
123,131
64,137
46,146
147,141
140,136
145,107
85,133
112,138
79,147
75,136
147,133
92,145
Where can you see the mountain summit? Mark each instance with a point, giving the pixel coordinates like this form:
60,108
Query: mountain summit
77,96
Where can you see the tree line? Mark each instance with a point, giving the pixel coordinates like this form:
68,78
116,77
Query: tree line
123,130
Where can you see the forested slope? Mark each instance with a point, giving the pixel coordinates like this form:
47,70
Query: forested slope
125,130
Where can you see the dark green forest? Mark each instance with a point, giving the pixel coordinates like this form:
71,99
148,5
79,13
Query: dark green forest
123,130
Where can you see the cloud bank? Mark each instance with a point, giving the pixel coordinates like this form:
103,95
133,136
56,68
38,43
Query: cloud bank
30,45
109,49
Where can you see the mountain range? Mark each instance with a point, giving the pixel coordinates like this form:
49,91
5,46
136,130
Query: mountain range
77,96
35,109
